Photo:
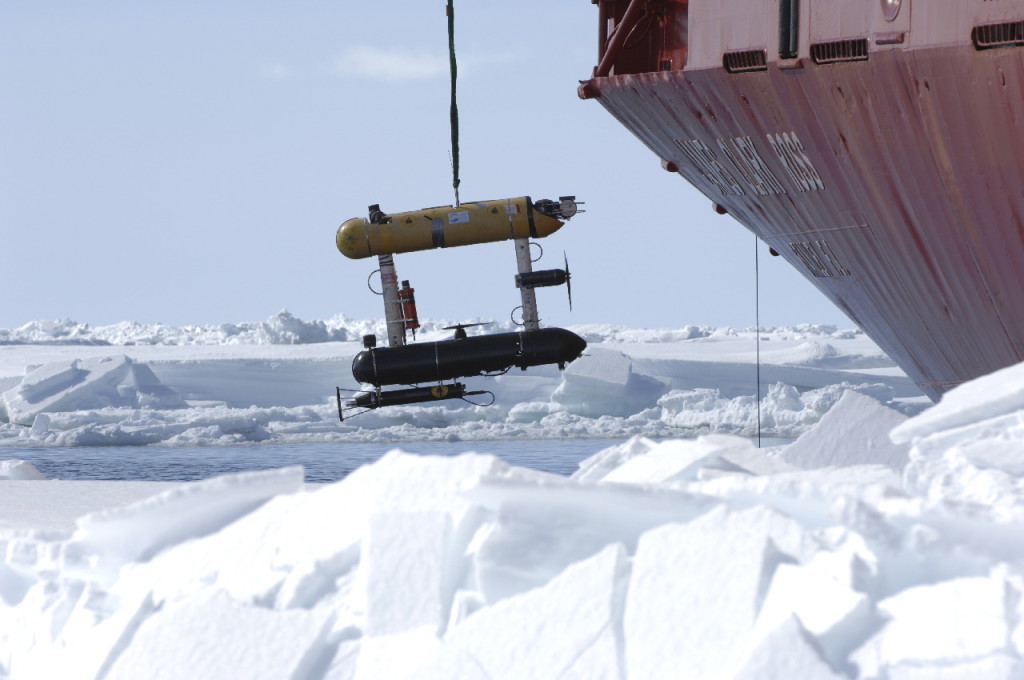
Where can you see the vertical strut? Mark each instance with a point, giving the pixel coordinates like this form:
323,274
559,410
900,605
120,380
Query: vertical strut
529,297
392,303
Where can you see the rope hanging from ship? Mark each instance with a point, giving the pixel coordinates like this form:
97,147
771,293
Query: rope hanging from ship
757,331
454,105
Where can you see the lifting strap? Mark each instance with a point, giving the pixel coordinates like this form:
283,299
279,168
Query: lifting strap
454,107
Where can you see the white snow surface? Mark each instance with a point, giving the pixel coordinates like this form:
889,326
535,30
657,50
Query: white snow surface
875,546
848,553
64,383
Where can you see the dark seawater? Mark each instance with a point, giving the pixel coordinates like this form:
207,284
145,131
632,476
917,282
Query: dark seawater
323,462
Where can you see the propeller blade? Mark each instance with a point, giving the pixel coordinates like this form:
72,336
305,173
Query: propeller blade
466,325
568,279
460,328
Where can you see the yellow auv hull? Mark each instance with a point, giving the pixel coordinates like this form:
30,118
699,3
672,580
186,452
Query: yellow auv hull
445,227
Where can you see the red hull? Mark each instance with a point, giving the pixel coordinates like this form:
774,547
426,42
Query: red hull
894,182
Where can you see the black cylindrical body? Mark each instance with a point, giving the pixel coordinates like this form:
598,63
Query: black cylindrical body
447,359
540,279
413,395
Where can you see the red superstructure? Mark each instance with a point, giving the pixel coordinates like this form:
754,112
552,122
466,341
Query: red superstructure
877,145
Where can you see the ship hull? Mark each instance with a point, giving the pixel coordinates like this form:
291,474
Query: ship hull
895,185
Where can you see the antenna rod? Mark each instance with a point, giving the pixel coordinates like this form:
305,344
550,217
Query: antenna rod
454,108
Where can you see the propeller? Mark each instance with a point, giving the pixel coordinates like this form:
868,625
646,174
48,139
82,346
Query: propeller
547,277
568,279
460,328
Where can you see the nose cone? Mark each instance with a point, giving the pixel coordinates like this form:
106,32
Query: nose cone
572,345
352,239
551,346
545,225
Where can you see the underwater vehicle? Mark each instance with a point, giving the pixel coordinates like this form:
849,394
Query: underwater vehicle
462,356
451,226
466,356
402,363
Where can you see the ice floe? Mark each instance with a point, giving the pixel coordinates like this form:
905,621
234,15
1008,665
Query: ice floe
845,554
66,384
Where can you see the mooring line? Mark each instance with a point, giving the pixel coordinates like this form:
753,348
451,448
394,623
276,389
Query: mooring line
757,332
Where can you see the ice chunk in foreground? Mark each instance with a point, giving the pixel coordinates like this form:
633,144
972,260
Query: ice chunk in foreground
671,461
972,450
695,619
786,653
686,460
181,641
565,629
410,655
942,624
994,667
404,556
106,540
597,466
853,432
90,643
832,612
538,529
987,397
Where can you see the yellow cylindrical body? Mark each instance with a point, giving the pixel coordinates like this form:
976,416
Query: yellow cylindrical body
445,227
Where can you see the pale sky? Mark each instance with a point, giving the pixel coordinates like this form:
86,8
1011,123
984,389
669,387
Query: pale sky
189,163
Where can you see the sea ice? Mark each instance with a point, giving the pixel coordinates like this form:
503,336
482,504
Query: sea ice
19,469
993,667
602,382
86,383
853,432
994,395
106,540
945,623
403,560
711,594
833,613
273,381
704,558
180,641
785,653
566,628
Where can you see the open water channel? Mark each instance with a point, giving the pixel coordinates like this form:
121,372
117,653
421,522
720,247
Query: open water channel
323,462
